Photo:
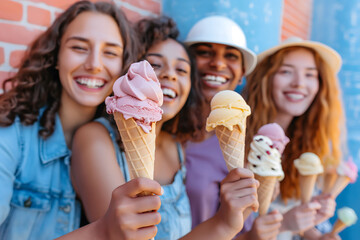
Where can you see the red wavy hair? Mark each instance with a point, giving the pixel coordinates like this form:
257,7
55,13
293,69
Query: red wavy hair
317,130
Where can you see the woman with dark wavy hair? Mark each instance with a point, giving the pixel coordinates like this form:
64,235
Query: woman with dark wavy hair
61,84
99,165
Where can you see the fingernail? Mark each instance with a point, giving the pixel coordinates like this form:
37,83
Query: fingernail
162,191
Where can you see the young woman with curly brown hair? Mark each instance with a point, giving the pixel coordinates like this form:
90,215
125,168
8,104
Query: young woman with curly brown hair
61,84
295,85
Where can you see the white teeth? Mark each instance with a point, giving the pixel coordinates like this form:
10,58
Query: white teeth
215,79
90,83
295,96
169,92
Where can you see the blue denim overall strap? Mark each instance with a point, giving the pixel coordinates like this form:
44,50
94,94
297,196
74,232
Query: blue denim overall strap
175,206
120,156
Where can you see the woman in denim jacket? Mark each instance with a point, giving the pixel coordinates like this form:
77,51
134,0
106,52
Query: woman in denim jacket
99,165
61,85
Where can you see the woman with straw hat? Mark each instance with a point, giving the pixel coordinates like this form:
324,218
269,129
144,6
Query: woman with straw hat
295,85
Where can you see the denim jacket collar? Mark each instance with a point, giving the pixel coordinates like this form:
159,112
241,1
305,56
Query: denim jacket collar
54,147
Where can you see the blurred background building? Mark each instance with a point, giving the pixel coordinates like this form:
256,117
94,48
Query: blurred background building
265,23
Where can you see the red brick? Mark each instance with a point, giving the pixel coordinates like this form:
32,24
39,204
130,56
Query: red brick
57,3
148,5
4,76
17,34
15,58
10,10
2,55
39,16
296,18
131,15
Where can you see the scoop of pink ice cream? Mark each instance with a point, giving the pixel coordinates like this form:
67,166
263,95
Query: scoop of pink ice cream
276,134
348,168
137,95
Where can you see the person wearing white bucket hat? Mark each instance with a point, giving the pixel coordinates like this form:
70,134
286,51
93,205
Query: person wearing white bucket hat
295,85
222,59
221,53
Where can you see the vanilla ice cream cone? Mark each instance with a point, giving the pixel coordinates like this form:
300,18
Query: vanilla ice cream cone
339,185
338,226
265,192
139,146
232,145
307,184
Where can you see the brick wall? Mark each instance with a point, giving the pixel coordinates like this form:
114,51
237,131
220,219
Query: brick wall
296,18
22,20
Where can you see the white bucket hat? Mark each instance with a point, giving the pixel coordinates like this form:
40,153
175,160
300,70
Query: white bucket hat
222,30
329,55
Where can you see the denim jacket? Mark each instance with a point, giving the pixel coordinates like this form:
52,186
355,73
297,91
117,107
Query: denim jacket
37,200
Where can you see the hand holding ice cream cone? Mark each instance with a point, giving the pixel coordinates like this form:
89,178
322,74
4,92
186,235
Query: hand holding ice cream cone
309,166
228,118
346,218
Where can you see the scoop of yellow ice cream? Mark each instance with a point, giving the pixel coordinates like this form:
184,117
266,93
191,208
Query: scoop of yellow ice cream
228,109
347,216
309,164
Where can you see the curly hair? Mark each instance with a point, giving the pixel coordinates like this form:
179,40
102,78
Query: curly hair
317,130
37,84
187,124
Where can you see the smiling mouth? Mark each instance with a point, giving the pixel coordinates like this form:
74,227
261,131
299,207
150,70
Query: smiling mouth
295,96
169,93
214,80
90,82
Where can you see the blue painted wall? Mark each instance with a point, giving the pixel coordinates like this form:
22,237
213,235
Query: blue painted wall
259,19
337,23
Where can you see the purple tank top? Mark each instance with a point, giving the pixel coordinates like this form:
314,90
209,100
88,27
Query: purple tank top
205,169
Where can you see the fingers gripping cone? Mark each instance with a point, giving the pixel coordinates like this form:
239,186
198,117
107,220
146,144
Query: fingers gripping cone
139,146
265,192
232,146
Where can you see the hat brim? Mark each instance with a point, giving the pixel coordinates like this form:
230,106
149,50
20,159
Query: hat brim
328,55
250,58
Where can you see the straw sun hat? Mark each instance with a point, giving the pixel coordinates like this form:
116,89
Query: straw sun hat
329,55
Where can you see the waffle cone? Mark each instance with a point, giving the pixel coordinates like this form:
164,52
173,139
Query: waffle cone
339,185
307,184
139,146
232,146
329,181
338,226
265,192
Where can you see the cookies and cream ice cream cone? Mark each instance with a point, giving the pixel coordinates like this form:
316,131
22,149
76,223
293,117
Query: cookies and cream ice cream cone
136,108
228,118
265,161
309,166
347,173
346,218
